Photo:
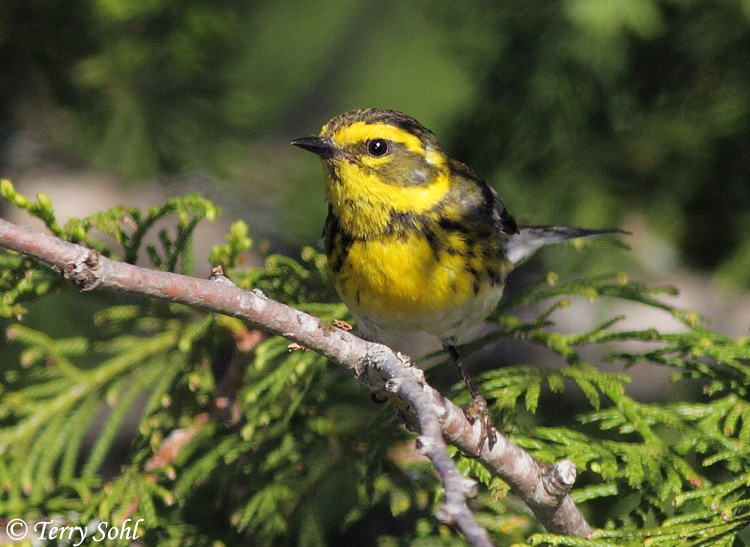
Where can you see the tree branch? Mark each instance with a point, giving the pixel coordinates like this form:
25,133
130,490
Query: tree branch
542,487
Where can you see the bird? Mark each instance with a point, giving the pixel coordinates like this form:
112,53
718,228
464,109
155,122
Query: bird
417,241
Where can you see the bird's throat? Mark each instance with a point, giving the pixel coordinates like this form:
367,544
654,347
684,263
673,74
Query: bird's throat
365,205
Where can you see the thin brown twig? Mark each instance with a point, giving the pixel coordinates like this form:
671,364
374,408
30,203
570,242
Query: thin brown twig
542,487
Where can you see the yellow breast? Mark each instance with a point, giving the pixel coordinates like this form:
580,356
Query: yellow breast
403,283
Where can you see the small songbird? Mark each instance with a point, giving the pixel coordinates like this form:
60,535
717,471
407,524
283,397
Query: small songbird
417,241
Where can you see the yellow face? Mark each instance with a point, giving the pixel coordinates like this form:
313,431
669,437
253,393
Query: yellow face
377,165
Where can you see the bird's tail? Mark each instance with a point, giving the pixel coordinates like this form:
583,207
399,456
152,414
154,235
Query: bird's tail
530,239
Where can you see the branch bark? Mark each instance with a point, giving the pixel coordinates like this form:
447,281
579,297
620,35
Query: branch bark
544,488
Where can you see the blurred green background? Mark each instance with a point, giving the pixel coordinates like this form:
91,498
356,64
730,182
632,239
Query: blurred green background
631,113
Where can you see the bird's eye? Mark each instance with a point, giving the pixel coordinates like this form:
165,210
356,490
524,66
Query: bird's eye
377,147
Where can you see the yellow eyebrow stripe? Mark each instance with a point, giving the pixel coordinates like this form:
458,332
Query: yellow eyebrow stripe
361,131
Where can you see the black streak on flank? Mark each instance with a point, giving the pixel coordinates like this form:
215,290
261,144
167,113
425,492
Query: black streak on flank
337,242
434,242
453,225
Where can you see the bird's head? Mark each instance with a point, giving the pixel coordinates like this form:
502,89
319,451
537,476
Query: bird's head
377,161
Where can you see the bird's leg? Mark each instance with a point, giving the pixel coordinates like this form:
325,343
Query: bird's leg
477,410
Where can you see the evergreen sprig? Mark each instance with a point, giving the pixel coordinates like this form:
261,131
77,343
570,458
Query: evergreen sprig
216,434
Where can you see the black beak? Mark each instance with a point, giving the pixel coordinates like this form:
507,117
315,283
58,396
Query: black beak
321,146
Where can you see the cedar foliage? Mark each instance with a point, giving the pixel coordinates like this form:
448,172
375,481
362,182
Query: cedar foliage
237,440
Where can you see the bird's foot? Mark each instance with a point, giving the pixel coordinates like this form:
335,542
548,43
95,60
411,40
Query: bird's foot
478,411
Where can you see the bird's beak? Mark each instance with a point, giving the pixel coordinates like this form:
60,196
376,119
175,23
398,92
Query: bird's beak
322,146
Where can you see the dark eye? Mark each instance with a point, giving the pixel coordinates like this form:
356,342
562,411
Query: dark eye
377,147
